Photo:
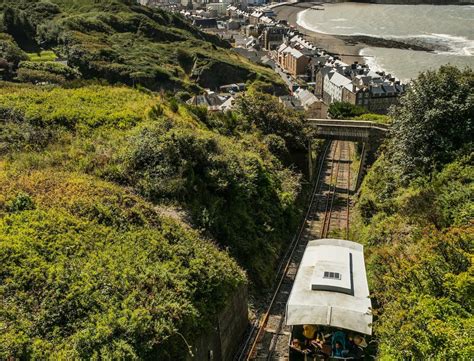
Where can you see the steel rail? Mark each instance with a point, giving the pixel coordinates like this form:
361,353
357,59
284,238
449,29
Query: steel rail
331,195
293,246
348,192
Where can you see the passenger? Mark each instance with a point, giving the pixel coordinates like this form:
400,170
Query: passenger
296,344
339,344
356,346
298,353
309,332
360,341
321,345
338,350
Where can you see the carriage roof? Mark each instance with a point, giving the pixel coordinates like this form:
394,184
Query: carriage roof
331,287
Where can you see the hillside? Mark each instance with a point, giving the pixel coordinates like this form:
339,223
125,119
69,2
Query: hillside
415,216
122,42
128,218
123,213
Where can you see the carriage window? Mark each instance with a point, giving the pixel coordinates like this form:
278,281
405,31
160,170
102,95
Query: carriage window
332,275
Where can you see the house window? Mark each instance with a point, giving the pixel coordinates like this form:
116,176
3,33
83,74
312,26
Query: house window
332,275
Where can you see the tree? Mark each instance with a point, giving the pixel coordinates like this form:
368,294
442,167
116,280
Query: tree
264,112
345,110
433,121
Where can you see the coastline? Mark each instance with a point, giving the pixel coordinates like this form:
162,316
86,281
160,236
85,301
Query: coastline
347,47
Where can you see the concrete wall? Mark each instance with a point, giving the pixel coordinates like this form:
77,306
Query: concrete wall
222,340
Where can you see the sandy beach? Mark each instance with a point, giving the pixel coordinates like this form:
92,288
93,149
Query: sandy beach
347,49
347,46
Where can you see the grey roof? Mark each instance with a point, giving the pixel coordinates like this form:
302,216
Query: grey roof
207,99
389,88
342,301
306,97
339,79
291,102
377,90
268,61
296,53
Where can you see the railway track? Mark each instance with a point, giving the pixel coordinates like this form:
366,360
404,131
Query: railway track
328,210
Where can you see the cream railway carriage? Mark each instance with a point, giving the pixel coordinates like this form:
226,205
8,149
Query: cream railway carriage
329,307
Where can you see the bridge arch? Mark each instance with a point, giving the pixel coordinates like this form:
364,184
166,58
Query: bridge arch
370,134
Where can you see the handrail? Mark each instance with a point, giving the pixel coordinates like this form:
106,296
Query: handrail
349,123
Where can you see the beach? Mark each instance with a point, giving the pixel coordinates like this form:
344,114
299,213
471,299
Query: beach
348,49
425,37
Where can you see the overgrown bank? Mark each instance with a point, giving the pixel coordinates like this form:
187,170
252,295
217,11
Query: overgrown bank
415,216
117,208
121,42
127,218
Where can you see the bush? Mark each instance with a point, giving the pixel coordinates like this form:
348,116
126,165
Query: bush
10,51
230,191
264,112
38,76
51,67
414,214
434,121
344,110
79,109
108,285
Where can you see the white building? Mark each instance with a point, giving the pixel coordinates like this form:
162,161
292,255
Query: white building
333,85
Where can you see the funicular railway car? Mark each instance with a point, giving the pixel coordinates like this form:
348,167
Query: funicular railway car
329,308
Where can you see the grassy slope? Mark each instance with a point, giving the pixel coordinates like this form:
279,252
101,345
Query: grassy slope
90,270
133,44
82,171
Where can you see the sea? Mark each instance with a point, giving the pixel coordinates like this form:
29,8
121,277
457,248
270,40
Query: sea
447,28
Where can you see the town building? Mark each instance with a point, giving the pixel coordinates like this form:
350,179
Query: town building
357,84
292,60
273,36
212,101
205,23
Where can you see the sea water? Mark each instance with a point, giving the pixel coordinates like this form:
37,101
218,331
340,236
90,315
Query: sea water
449,29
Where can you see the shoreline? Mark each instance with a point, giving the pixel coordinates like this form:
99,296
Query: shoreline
347,47
348,51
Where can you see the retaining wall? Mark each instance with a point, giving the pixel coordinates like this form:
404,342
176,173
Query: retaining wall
221,342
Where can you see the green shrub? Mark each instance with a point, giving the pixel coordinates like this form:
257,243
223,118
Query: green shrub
79,109
414,214
345,110
229,190
21,202
10,50
51,67
42,56
38,76
108,286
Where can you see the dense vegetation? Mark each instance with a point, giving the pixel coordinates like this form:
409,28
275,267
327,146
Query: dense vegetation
90,271
345,110
127,217
415,215
121,42
116,207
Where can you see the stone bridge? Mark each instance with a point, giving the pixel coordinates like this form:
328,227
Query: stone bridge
350,130
370,134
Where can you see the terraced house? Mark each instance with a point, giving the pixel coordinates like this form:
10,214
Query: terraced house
359,85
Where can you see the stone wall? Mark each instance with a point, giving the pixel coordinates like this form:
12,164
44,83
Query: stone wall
221,342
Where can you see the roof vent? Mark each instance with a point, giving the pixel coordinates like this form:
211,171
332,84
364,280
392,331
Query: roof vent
332,275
